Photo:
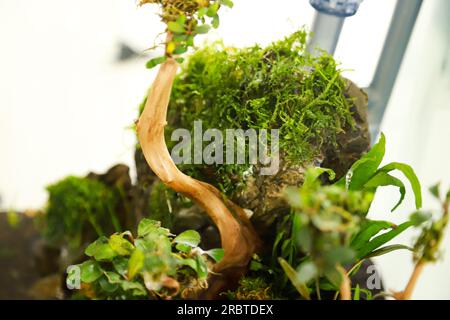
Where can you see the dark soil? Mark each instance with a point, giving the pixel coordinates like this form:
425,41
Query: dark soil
18,271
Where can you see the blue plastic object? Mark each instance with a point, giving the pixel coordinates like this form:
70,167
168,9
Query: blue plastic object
339,8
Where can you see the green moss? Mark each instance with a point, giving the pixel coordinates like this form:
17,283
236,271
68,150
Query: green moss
251,288
278,87
78,207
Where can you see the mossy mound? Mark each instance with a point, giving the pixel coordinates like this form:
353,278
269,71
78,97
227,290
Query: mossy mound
81,209
321,118
279,87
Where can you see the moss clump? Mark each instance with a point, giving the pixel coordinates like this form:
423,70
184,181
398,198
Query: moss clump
251,289
77,208
278,87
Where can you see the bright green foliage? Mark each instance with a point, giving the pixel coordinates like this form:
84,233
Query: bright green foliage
278,87
155,264
185,20
79,208
329,228
366,175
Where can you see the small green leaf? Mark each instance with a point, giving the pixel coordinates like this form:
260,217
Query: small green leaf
190,238
179,37
135,264
155,61
277,242
216,254
100,250
363,169
180,50
120,245
381,179
410,175
369,229
313,174
388,249
176,27
383,239
136,288
202,29
202,267
120,264
292,275
227,3
181,20
356,295
183,248
256,265
147,226
113,277
190,263
215,22
179,60
107,286
90,271
212,10
435,191
190,41
202,12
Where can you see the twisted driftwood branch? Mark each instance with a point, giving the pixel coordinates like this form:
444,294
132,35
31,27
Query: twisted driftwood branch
239,240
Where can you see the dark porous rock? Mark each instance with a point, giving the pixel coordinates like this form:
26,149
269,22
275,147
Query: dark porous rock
118,179
353,142
193,218
210,238
145,181
263,195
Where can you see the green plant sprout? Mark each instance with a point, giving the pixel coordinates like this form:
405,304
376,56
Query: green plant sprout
185,19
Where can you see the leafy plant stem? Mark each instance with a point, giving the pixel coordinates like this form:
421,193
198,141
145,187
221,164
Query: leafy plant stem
239,240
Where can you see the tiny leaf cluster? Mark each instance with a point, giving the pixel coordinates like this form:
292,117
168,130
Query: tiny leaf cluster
155,264
185,19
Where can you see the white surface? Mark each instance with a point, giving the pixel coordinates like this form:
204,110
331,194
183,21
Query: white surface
65,103
417,126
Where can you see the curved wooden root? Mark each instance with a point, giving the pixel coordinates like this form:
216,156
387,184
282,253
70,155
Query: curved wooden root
239,240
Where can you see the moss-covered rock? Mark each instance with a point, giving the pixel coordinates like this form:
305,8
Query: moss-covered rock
80,209
322,119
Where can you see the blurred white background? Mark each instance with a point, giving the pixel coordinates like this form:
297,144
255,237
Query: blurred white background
66,102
